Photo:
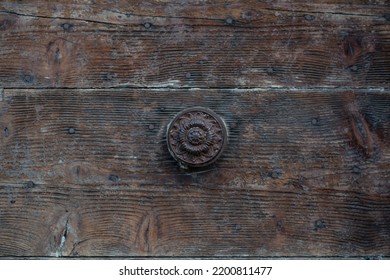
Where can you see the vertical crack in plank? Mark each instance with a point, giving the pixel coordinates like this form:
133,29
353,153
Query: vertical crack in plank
63,238
148,232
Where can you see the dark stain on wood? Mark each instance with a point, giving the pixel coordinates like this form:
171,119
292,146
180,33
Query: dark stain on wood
361,135
6,132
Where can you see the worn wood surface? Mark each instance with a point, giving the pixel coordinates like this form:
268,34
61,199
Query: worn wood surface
245,47
87,91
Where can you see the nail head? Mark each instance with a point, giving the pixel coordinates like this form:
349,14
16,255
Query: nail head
67,26
353,68
275,174
309,17
71,130
356,170
30,184
6,132
230,21
113,178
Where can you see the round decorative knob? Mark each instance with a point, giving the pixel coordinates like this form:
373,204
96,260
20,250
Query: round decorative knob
196,137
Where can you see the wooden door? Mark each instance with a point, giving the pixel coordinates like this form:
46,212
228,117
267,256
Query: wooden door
87,89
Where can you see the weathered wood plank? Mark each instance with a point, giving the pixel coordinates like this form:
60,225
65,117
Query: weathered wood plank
328,52
188,220
307,182
121,11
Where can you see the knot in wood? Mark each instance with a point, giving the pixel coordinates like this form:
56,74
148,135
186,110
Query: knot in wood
196,137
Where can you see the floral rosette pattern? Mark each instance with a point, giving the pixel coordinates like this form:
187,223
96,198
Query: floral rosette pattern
196,137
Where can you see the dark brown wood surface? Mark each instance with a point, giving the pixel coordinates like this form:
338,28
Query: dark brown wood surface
87,92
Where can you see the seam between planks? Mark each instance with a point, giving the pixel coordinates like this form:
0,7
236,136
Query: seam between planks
234,89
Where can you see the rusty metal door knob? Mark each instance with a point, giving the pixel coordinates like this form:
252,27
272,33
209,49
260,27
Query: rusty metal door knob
196,137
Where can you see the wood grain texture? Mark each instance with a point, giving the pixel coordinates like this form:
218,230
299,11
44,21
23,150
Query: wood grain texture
226,44
124,11
307,182
87,89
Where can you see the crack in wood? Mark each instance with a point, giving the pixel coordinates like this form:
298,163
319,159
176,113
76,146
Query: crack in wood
105,22
74,252
63,238
323,13
148,232
164,17
61,18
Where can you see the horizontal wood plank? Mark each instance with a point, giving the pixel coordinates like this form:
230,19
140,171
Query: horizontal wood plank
87,172
123,12
156,220
278,51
